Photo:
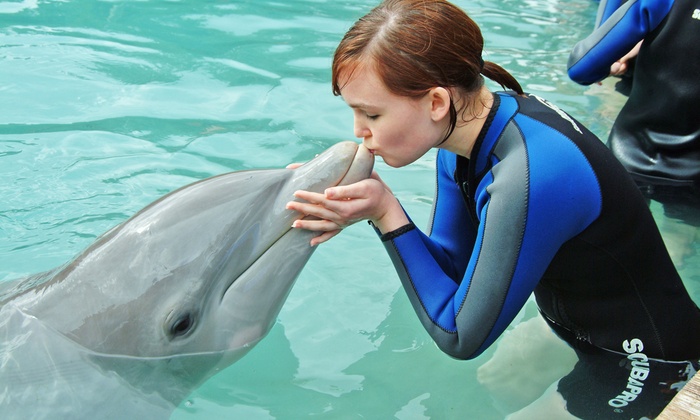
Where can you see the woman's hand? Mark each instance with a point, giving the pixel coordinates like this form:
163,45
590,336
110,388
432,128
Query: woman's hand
341,206
620,67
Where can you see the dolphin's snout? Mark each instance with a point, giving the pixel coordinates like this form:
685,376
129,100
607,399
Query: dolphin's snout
360,167
343,163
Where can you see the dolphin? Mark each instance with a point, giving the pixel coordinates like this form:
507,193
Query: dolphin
163,301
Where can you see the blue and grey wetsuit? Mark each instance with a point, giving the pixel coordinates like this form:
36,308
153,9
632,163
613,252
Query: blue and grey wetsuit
656,135
605,9
543,206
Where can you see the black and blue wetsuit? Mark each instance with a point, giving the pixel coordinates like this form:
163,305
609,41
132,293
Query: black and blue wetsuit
656,135
542,205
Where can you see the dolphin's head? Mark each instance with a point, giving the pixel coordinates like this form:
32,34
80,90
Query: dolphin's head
203,270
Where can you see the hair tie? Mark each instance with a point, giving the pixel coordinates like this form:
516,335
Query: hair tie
481,64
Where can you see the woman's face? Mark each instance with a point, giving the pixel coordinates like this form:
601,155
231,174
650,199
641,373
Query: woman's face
397,128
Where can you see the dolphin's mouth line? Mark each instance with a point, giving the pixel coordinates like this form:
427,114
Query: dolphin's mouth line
231,282
359,167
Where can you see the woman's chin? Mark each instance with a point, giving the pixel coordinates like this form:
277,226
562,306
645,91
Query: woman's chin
394,163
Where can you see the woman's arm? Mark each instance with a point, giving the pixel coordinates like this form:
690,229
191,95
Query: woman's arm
528,205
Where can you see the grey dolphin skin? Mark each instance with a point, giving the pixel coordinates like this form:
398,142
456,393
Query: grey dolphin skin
160,303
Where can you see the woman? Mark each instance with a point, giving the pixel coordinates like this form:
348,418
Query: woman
527,199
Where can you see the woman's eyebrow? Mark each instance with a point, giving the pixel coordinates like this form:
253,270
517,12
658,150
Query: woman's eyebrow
359,105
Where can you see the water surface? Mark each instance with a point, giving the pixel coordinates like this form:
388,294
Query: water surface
107,105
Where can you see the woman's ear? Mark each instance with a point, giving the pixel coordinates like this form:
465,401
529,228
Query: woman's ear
439,103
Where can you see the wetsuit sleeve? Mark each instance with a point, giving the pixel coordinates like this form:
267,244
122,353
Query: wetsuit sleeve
450,214
447,251
524,217
591,58
605,9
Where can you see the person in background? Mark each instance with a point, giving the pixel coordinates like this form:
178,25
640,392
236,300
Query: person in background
656,134
527,199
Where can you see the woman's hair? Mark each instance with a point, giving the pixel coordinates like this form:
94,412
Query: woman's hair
416,45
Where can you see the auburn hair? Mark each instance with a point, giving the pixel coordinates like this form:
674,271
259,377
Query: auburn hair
416,45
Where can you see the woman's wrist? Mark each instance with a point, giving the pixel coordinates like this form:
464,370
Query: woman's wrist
393,218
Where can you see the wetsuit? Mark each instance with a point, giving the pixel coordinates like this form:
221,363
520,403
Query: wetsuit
543,206
656,135
605,9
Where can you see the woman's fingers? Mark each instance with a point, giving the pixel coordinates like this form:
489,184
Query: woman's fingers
359,190
314,209
337,208
327,227
324,237
310,197
318,225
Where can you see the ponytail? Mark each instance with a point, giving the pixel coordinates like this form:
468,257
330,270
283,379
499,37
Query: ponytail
499,75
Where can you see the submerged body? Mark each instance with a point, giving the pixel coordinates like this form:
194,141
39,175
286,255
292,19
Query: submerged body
163,301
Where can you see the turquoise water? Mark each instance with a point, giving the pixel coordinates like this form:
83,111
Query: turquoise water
107,105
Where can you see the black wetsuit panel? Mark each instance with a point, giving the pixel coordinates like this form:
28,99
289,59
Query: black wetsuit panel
656,135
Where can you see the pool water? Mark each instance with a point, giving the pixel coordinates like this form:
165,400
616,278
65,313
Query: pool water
107,105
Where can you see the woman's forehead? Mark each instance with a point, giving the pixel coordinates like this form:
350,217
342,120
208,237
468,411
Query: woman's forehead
357,67
364,89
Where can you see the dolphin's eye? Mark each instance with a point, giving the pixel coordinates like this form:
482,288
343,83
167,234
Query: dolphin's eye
181,325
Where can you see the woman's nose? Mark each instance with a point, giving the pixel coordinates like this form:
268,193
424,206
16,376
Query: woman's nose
361,131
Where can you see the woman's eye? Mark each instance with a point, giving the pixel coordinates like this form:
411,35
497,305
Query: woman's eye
372,117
